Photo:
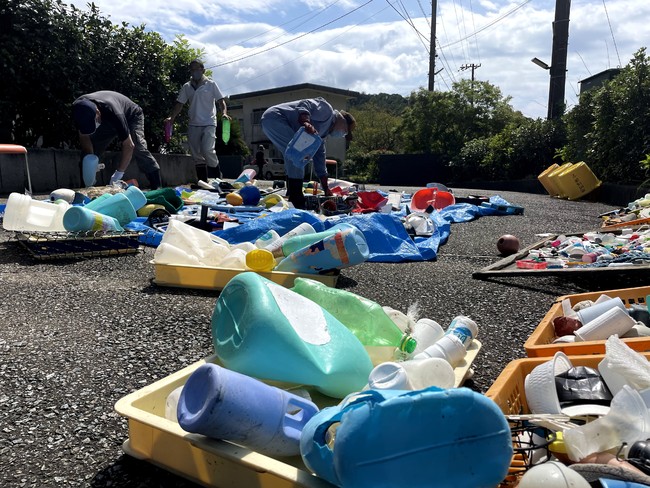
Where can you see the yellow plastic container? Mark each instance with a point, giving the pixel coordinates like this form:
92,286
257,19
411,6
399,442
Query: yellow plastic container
576,181
546,182
211,278
553,179
215,463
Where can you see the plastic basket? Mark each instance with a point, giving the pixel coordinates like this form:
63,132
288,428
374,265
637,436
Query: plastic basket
70,245
545,180
539,343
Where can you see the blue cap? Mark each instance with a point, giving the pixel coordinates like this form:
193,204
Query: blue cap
84,113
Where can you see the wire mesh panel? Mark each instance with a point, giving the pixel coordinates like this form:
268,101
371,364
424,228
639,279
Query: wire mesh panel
61,245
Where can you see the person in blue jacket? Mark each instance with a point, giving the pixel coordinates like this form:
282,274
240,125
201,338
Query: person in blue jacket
316,115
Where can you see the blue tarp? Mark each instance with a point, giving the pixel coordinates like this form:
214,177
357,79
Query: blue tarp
388,241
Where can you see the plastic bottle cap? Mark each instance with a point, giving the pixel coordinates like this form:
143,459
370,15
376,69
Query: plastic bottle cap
260,260
408,344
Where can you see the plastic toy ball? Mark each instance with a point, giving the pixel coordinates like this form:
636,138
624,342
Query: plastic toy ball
508,244
250,195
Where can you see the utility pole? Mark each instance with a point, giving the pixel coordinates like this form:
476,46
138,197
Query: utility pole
558,59
472,66
432,44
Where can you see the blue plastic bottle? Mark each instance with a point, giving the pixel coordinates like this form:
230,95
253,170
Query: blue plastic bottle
81,219
269,332
117,206
227,405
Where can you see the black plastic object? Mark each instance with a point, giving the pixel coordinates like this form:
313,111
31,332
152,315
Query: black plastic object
580,385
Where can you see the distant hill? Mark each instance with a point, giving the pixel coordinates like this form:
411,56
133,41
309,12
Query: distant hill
394,104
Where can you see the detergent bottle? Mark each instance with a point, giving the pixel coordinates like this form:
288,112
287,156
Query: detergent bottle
366,319
299,230
264,330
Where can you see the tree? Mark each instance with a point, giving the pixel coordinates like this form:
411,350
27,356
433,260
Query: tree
609,128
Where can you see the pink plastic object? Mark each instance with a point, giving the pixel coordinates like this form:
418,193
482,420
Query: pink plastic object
531,264
168,131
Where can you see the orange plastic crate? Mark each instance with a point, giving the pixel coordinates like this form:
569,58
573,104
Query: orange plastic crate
539,343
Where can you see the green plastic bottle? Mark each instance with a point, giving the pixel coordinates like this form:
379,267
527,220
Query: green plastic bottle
366,319
298,242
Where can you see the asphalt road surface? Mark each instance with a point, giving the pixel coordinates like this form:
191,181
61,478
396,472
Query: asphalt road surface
78,335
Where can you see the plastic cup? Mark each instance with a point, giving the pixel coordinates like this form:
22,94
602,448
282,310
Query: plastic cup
590,313
389,376
613,321
449,347
464,328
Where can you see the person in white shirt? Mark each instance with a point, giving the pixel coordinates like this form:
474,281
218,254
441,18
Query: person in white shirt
203,95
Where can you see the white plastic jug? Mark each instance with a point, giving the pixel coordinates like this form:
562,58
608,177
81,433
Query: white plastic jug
24,213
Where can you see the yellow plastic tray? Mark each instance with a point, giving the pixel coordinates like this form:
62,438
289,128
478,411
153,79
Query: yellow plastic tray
539,343
576,181
212,462
209,278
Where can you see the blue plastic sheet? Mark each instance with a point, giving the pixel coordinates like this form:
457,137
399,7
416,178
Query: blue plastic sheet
388,241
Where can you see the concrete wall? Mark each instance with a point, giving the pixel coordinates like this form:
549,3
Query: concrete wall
51,169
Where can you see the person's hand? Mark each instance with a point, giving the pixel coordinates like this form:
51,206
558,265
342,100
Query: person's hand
309,128
226,116
168,120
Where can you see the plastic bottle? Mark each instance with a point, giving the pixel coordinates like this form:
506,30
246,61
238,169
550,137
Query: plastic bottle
117,206
302,147
464,328
89,167
426,332
412,375
365,318
346,248
80,219
267,239
235,259
227,405
267,331
225,130
171,404
449,347
168,130
301,229
22,213
294,243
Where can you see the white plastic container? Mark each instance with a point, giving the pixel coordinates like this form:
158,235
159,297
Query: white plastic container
26,214
426,332
449,347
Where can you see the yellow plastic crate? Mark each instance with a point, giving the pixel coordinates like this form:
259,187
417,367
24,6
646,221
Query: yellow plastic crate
576,181
546,182
211,278
539,343
211,462
553,179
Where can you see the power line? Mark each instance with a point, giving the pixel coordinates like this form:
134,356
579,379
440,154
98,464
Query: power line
612,32
290,40
490,24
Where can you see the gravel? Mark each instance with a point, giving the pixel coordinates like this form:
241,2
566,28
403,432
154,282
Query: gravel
78,335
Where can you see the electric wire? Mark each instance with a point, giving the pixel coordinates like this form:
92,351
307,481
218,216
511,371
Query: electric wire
612,32
421,37
490,24
270,48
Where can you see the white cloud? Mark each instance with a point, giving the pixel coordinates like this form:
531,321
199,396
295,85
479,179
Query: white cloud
374,50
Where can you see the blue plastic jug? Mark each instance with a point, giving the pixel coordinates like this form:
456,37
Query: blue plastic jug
343,249
454,438
89,166
302,147
227,405
267,331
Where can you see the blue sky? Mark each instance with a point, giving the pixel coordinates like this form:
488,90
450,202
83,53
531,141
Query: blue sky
374,46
